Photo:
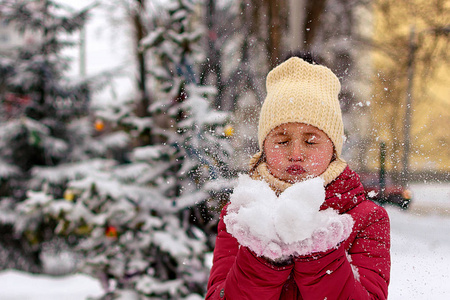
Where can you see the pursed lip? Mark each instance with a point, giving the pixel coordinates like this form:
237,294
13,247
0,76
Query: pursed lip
295,170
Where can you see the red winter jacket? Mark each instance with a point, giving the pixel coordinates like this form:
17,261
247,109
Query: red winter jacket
357,269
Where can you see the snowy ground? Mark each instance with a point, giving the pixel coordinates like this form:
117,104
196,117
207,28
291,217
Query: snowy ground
421,245
16,285
420,256
420,263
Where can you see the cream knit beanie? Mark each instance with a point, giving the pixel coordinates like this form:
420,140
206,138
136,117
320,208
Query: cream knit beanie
301,92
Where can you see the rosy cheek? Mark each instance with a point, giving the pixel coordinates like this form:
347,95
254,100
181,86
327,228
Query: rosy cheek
274,157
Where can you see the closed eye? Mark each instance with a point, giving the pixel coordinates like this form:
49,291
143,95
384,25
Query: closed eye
312,140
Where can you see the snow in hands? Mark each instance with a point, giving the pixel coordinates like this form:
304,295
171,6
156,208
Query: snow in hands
290,224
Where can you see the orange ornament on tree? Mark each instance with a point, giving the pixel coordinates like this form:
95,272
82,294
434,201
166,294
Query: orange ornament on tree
99,125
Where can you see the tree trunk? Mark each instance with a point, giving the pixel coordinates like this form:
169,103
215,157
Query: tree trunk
214,62
274,47
314,10
296,20
139,31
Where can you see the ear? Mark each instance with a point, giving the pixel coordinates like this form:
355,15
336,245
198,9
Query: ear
334,157
256,160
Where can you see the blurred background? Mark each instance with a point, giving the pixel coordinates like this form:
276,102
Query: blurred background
123,124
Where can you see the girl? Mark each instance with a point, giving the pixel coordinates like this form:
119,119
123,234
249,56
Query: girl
300,226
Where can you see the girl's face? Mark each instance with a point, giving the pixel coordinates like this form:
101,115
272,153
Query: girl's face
297,151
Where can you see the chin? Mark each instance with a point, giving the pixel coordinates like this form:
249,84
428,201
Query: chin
296,179
300,178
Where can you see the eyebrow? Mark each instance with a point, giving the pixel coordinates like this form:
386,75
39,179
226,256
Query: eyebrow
283,133
312,134
279,133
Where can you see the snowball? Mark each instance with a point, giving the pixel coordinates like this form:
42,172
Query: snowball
250,191
298,210
289,226
292,223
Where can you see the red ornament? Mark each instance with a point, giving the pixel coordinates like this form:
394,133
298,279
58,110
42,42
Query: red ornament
111,232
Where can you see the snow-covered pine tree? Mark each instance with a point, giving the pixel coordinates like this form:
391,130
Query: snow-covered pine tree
146,224
37,104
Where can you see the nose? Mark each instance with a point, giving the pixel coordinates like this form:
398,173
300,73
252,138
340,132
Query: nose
297,152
